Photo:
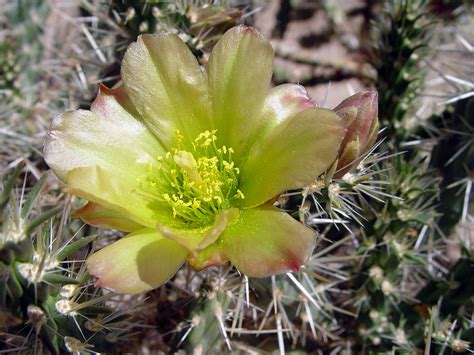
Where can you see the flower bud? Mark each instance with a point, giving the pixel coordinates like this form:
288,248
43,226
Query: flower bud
359,114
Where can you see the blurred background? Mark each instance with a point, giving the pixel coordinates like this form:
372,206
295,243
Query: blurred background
393,269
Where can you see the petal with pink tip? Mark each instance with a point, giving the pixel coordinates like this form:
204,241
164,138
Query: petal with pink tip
265,241
284,101
293,153
99,216
137,263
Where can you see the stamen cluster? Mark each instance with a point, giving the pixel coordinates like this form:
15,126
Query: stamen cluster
195,184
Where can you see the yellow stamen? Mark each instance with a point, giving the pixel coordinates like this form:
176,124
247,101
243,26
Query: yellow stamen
194,184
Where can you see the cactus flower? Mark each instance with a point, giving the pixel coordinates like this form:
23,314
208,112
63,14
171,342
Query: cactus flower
359,115
187,159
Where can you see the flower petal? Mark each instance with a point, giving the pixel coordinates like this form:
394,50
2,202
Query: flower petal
167,86
139,262
292,155
211,256
284,101
239,72
110,136
99,216
265,241
198,239
101,186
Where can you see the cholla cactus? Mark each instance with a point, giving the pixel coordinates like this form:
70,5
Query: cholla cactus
359,291
401,43
450,316
199,23
44,298
397,255
443,335
9,69
404,246
453,156
20,53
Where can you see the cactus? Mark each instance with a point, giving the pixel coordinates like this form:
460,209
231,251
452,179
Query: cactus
20,53
207,326
46,299
404,243
453,157
199,23
379,280
450,322
401,42
396,256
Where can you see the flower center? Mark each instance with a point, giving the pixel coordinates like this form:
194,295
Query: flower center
195,184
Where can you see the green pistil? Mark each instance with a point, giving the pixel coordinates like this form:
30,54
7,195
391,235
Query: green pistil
195,185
